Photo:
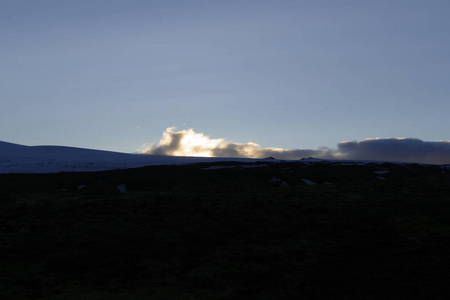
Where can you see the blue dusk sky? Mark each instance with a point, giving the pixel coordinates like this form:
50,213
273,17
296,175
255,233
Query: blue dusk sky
113,75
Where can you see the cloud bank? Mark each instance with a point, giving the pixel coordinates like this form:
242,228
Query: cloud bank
397,149
190,143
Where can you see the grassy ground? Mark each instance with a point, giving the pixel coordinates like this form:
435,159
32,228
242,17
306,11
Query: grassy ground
229,237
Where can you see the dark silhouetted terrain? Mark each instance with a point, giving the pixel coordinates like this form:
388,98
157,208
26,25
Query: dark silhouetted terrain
228,231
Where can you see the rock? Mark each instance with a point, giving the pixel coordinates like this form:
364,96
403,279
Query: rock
277,182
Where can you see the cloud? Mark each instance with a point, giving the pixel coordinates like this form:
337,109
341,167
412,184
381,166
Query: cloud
183,143
190,143
397,149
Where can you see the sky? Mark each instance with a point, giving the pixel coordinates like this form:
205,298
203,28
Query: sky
116,75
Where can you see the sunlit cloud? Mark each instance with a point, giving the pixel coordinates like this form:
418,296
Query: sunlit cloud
190,143
183,143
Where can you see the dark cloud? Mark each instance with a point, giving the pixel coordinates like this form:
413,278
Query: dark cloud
254,150
397,149
190,143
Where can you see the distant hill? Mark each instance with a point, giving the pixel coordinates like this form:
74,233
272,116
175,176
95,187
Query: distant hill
53,159
9,146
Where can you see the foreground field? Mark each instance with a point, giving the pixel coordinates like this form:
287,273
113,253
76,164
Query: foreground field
197,232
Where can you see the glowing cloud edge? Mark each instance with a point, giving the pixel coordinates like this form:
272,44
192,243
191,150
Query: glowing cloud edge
190,143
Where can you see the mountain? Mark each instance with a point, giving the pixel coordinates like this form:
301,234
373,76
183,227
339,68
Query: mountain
16,158
5,146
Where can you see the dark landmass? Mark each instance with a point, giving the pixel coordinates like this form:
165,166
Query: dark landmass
266,230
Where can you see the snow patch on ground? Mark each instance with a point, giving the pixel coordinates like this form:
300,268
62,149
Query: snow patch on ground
381,172
308,182
122,188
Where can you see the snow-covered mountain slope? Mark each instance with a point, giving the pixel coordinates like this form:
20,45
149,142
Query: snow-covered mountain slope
16,158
